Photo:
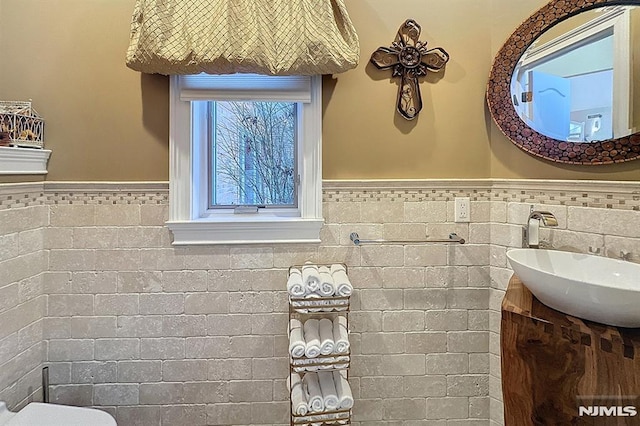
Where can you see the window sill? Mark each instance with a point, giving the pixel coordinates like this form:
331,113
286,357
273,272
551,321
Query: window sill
23,161
245,231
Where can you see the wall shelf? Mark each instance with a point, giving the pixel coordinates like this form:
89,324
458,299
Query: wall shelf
23,161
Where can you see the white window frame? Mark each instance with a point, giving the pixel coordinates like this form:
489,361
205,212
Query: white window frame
187,221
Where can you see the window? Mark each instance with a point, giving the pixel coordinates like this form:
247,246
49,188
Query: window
245,159
252,153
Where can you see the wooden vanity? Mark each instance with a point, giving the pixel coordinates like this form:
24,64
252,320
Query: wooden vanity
553,363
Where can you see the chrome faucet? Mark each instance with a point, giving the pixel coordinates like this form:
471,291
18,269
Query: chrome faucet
596,251
533,226
625,255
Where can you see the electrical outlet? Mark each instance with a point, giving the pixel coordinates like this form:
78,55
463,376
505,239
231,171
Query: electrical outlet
462,210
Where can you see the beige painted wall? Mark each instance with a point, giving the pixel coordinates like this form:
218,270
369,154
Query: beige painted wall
635,72
106,122
364,137
102,120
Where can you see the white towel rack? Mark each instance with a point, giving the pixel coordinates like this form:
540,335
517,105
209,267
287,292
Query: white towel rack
323,307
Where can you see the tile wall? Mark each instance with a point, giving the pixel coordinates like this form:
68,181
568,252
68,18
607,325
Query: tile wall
163,335
23,266
590,217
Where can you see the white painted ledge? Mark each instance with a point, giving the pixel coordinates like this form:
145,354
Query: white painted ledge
23,161
256,231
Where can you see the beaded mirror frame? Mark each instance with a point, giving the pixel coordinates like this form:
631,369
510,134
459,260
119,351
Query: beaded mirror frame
609,151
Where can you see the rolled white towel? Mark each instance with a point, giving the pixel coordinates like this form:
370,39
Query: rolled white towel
327,344
328,388
327,286
310,303
314,364
299,405
293,324
311,278
295,285
343,389
325,367
311,368
314,302
312,338
323,419
341,305
297,344
315,402
341,280
340,335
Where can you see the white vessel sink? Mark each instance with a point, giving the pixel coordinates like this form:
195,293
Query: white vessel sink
585,286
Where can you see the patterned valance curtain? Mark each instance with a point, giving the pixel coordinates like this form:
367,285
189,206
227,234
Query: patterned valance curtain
271,37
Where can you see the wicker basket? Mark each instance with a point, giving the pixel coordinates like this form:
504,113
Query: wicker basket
20,125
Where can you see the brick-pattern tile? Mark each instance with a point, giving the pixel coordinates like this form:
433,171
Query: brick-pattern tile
91,286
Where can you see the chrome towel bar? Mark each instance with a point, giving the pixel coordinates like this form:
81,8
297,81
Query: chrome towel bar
453,238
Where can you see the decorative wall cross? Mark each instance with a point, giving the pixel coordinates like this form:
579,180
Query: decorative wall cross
409,59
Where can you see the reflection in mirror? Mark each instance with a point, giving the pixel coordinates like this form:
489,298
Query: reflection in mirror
552,56
574,83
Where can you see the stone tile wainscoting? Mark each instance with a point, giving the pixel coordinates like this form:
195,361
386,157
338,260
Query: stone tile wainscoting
598,215
154,334
23,267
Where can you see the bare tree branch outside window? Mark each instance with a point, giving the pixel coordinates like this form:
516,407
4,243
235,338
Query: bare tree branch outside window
254,149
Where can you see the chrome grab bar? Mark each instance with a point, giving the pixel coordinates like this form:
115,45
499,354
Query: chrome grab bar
453,238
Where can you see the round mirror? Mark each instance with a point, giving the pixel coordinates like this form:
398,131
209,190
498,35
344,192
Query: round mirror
562,86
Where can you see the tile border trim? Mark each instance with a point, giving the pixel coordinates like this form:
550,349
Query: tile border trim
599,194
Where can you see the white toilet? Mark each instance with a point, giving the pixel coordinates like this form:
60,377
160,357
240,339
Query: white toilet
39,414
